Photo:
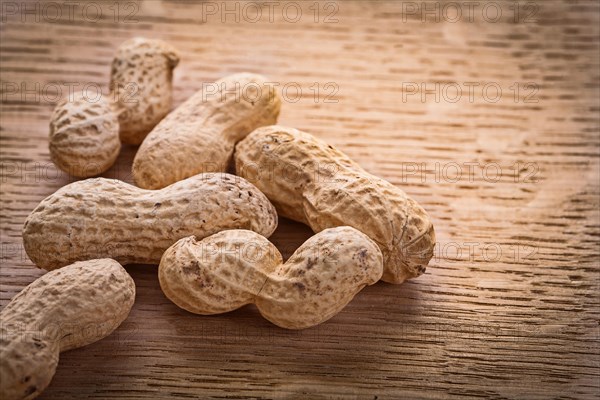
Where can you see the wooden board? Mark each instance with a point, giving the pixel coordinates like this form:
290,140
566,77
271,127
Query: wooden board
509,306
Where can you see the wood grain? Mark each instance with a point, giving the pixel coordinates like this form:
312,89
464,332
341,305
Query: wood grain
509,307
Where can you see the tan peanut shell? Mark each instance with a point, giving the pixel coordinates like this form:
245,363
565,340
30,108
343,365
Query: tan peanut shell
141,85
233,268
200,135
312,182
98,218
84,135
62,310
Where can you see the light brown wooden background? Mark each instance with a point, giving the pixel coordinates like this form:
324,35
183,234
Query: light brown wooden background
509,307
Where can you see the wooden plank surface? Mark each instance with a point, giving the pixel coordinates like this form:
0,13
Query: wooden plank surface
509,306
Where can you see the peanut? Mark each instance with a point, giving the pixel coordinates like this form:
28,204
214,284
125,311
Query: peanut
84,132
314,183
84,135
99,217
141,83
62,310
200,135
233,268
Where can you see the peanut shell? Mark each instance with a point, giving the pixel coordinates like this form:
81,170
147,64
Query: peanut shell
141,85
99,217
200,135
233,268
312,182
84,135
62,310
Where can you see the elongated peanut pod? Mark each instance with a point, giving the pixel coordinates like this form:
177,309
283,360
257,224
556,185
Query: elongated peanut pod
141,85
237,267
312,182
200,135
64,309
84,135
99,217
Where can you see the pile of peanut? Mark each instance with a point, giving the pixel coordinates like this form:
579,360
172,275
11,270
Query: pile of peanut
206,229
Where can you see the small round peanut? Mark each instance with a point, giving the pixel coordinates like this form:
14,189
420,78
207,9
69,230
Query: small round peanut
98,217
312,182
62,310
233,268
200,135
141,85
84,135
